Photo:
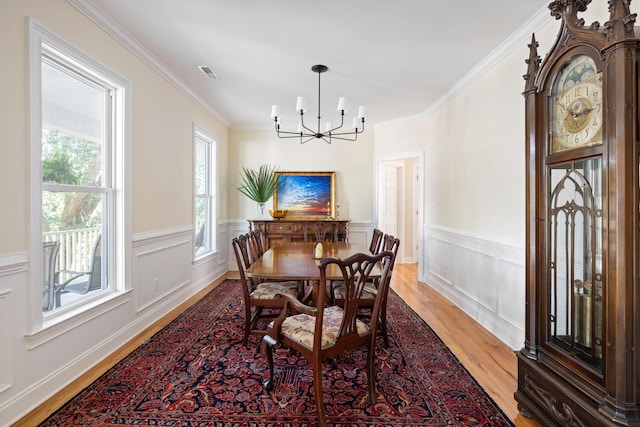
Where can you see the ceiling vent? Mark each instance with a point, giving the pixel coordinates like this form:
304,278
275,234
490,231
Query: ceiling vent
208,71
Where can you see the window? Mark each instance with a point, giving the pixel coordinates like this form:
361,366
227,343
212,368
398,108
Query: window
77,169
204,191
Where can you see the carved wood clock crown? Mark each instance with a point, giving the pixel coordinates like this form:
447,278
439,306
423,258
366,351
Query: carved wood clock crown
579,364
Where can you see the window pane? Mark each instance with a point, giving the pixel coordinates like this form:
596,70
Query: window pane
201,237
74,219
204,203
72,116
201,168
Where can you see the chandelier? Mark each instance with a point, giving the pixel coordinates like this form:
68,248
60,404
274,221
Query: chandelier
306,134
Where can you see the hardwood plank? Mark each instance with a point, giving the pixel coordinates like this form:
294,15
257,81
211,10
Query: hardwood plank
492,363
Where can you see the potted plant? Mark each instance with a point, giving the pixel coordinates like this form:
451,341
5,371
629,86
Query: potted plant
259,185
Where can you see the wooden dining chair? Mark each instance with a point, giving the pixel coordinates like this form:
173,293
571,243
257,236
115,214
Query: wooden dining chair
258,296
322,331
337,289
376,240
256,239
322,232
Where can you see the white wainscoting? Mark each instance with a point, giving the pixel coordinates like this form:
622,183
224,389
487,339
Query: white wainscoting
13,270
162,265
6,350
486,279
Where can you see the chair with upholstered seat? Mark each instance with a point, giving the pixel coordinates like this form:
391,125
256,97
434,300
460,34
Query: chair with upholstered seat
258,296
322,331
49,254
389,243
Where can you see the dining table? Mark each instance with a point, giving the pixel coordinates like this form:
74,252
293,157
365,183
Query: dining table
296,261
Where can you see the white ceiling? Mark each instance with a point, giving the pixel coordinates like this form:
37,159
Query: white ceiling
398,58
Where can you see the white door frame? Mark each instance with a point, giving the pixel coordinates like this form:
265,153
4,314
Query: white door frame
420,190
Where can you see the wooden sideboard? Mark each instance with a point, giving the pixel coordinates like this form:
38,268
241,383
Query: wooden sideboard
282,230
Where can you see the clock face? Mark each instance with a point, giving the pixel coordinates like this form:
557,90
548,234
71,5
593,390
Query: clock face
576,110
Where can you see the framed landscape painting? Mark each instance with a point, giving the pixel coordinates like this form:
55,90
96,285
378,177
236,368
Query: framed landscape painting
306,195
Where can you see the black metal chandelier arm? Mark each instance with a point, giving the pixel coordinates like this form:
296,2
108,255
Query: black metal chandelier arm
289,134
354,132
341,138
310,138
341,123
285,135
311,131
317,132
328,135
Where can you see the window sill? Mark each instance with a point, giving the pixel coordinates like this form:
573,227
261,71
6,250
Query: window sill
61,323
205,257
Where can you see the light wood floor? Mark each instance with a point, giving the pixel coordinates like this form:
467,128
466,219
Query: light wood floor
491,363
489,360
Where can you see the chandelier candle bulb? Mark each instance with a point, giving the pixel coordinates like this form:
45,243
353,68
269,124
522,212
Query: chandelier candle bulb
355,123
342,104
299,127
301,105
328,128
361,112
317,253
275,111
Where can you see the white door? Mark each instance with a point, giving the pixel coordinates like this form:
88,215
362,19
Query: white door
388,198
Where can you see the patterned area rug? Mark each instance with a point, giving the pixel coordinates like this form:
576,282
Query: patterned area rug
196,372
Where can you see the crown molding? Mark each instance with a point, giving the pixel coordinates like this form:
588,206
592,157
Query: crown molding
96,15
521,36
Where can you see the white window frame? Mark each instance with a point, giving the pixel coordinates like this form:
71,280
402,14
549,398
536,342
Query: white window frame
211,228
43,327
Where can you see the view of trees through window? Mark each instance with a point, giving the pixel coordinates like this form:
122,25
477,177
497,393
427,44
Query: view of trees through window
72,161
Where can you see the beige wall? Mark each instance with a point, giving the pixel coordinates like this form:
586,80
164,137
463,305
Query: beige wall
33,366
474,147
161,133
474,151
352,162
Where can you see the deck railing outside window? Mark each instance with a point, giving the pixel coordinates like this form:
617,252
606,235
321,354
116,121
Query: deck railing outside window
76,247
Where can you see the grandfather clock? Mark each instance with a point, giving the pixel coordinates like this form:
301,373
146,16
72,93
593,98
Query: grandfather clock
580,362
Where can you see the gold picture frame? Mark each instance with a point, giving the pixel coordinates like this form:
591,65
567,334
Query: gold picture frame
306,195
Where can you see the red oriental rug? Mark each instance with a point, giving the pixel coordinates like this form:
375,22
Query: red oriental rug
196,372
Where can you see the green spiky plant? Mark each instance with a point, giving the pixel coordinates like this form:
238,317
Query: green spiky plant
259,185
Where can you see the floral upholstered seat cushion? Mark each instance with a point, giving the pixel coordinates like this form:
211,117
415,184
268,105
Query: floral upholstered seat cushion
369,291
268,290
300,327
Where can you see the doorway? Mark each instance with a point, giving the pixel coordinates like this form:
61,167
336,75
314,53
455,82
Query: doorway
399,203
